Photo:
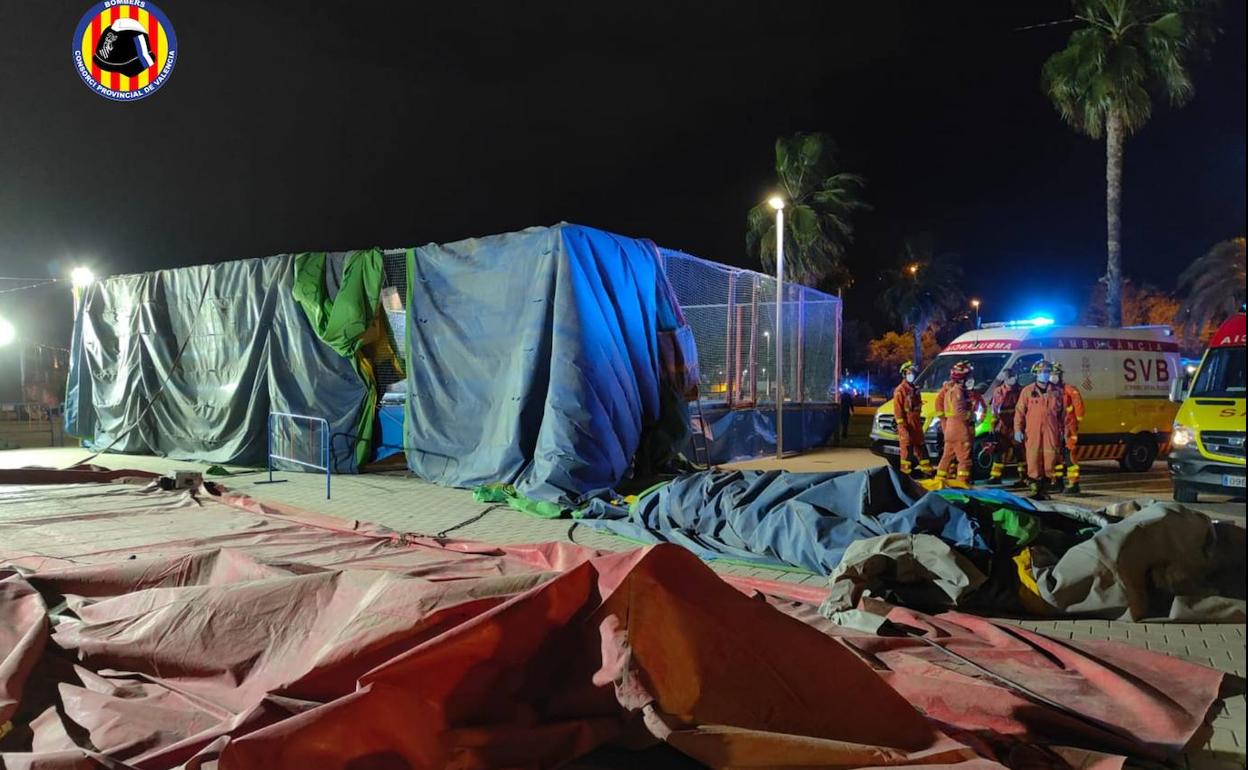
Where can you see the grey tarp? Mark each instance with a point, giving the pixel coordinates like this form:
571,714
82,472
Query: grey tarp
249,350
1163,562
534,359
918,571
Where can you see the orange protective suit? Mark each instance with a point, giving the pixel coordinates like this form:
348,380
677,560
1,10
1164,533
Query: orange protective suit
1067,468
908,412
953,407
1004,403
1073,402
1041,416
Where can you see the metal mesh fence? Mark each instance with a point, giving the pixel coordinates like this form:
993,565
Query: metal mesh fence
388,355
733,316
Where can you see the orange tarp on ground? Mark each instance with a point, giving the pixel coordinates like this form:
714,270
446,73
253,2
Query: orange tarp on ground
201,632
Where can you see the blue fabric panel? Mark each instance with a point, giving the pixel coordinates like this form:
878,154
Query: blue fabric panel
737,434
804,520
533,359
389,430
993,496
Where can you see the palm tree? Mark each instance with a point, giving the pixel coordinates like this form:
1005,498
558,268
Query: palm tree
1104,80
924,291
820,200
1212,287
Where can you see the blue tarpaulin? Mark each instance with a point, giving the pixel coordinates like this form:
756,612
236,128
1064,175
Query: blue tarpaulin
736,434
803,520
534,359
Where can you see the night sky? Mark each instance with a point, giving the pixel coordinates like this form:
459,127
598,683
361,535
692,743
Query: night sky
285,128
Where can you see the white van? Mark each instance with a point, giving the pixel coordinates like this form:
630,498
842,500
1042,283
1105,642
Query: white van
1124,375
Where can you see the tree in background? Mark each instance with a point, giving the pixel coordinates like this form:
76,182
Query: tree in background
887,353
820,201
1104,81
1142,305
1212,287
923,292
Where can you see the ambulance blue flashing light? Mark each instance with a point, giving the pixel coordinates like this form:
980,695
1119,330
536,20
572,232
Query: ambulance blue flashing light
1026,323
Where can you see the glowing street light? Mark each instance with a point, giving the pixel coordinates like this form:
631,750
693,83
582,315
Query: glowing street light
777,203
975,304
913,269
7,333
81,277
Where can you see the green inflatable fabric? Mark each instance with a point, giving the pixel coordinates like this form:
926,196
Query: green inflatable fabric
342,321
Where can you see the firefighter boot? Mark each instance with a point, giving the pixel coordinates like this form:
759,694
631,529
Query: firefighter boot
1040,489
994,476
1072,479
962,480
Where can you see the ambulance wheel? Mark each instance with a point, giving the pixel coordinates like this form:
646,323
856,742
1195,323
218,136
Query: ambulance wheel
1140,455
982,458
1184,493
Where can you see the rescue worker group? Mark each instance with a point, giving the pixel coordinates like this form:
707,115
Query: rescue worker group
1035,427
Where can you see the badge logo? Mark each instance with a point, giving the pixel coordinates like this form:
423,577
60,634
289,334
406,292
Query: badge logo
124,49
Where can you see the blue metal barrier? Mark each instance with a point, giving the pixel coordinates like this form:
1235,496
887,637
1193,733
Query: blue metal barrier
285,446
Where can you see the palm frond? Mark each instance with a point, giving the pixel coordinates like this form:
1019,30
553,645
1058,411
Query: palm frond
822,200
1126,51
1212,287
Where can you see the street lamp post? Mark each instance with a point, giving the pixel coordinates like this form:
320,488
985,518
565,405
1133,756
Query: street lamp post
975,304
777,203
767,387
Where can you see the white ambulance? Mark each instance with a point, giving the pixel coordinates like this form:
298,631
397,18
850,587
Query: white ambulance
1124,375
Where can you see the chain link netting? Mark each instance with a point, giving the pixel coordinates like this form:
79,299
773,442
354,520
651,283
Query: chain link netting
733,316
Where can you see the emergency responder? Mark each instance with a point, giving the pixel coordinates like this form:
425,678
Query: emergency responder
953,407
1039,419
908,412
1004,400
1067,468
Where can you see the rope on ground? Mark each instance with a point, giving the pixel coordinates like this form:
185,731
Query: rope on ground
472,520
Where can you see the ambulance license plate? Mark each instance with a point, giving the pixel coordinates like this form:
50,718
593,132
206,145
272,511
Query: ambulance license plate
889,449
1232,481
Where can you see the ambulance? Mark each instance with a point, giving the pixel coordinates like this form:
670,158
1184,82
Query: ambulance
1125,376
1207,442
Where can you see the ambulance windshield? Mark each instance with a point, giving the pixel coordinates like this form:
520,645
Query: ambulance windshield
1221,375
987,366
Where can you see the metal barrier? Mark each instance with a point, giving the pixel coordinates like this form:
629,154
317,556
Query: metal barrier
283,446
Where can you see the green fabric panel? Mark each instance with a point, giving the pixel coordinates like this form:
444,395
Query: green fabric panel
341,322
1021,526
498,492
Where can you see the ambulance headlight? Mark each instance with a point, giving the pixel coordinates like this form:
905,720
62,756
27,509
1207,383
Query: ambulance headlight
1182,435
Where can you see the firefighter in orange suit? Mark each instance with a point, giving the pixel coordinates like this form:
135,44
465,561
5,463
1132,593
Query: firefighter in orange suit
1067,468
953,407
1004,401
908,412
1039,422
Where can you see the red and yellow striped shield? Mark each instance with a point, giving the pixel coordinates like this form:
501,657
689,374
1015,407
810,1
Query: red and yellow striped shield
124,49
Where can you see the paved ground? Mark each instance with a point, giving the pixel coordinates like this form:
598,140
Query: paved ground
408,504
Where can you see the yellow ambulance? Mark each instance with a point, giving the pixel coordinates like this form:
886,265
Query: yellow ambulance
1207,448
1125,376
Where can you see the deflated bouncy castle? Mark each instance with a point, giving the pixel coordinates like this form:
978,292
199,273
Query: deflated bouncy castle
558,359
